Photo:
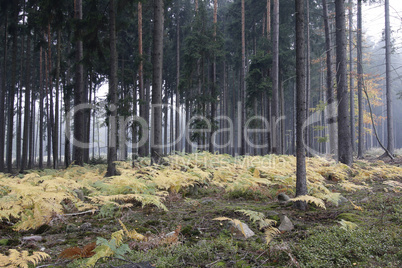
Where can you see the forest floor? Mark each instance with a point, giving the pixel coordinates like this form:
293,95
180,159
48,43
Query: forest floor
186,234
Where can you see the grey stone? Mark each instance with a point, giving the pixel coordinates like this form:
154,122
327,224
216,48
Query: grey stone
85,226
242,232
342,200
283,198
286,224
36,238
79,193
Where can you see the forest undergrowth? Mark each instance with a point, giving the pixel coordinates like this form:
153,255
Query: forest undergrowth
163,215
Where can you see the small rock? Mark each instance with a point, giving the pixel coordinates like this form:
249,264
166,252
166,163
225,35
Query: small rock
85,226
207,201
365,200
80,194
71,228
242,232
286,224
283,198
342,200
35,238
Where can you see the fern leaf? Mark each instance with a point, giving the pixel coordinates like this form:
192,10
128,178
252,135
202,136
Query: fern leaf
253,215
234,221
265,223
347,225
76,252
355,207
310,199
22,259
132,234
270,233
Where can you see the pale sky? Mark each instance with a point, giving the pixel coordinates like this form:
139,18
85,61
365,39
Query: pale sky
374,21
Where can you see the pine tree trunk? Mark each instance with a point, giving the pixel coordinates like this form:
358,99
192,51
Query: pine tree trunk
390,122
11,93
112,127
301,182
3,96
275,79
177,128
309,141
143,131
213,87
157,60
242,81
344,142
332,124
79,118
351,82
27,100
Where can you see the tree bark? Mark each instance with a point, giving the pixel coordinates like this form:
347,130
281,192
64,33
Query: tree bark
275,79
360,146
177,128
27,98
79,118
301,182
351,80
390,122
243,81
112,127
344,142
157,62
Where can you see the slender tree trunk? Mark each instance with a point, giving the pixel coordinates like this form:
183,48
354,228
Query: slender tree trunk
309,141
243,80
213,88
56,115
301,182
112,127
67,104
390,122
19,106
330,91
351,82
79,118
143,131
157,62
178,130
360,146
275,79
25,143
48,111
31,160
268,19
344,142
3,96
11,93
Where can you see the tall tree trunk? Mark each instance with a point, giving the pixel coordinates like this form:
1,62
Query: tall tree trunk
275,79
309,141
3,96
19,106
48,110
157,62
360,145
31,160
351,82
332,123
301,182
56,115
25,143
390,122
12,92
79,118
143,131
268,19
112,127
213,87
344,142
41,107
243,81
178,130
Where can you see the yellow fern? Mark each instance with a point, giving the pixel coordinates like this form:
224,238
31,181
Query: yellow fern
310,199
133,233
270,233
22,259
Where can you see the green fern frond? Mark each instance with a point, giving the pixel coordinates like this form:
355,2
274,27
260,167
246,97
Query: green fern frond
265,223
310,199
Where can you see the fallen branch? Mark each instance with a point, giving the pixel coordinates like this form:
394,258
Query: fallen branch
82,212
